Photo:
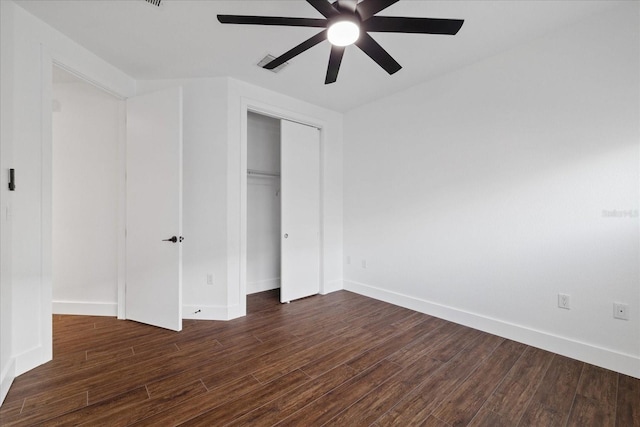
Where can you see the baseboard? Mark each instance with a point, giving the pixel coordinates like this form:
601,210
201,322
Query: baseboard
209,312
332,286
84,308
262,285
235,311
6,378
30,359
203,312
624,363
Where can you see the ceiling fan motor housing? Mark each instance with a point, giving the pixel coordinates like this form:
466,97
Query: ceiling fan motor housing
344,29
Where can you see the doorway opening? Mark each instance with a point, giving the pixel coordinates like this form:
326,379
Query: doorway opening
283,207
87,124
263,203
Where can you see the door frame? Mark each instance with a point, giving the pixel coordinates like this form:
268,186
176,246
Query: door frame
49,60
251,105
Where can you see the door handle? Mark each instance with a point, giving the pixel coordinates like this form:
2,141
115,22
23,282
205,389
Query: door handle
174,239
286,236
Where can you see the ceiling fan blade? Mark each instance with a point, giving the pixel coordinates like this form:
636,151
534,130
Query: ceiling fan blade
272,20
371,47
307,44
396,24
368,8
324,7
335,58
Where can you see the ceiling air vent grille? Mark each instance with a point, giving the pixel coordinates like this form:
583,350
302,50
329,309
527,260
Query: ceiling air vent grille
264,61
154,2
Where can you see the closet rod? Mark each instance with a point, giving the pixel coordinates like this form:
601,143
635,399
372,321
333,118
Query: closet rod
257,172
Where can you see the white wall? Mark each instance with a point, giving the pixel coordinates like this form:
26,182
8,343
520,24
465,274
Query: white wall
204,250
31,48
263,203
263,143
86,127
479,196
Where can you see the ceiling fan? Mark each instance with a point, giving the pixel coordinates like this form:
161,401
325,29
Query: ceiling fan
349,22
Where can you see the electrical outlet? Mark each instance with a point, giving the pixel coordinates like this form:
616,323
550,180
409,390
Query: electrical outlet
209,279
564,301
364,263
348,259
620,311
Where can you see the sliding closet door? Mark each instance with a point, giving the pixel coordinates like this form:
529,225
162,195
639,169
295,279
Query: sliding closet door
300,213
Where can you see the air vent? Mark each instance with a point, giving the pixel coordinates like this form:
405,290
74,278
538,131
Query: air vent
154,2
268,59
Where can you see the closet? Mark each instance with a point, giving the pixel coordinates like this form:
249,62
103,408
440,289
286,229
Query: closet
283,207
263,203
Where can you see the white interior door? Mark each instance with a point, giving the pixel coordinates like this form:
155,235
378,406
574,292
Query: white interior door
154,209
300,211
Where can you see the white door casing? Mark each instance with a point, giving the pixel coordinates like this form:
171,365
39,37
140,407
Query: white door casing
154,209
300,211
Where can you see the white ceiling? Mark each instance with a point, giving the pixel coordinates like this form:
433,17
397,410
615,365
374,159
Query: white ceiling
183,38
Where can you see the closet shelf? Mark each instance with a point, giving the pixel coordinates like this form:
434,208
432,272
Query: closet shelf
262,173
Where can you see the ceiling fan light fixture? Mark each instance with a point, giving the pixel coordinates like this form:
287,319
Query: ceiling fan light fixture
343,33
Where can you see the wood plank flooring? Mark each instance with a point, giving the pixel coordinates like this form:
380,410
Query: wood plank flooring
337,360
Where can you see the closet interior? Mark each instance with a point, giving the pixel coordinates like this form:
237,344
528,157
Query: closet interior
263,203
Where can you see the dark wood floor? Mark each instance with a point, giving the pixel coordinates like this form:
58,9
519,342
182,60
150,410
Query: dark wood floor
340,360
